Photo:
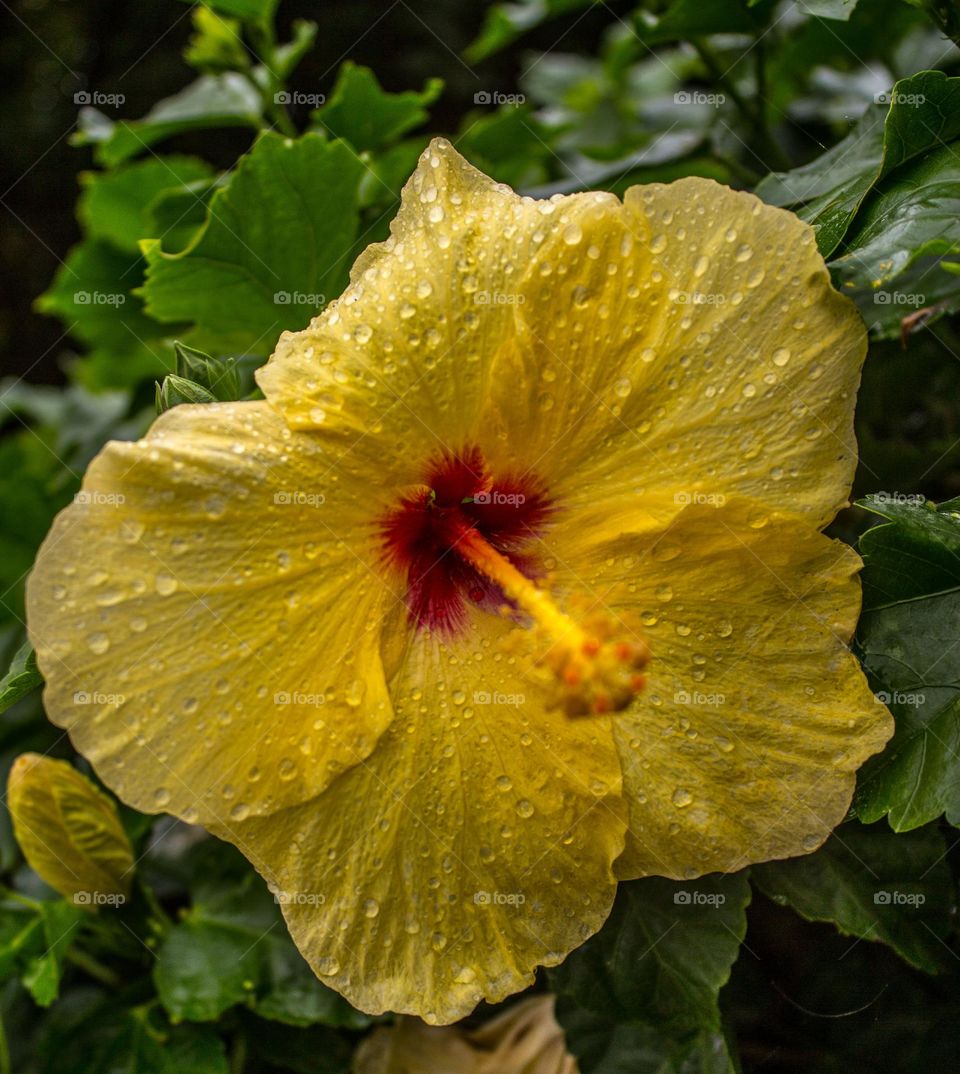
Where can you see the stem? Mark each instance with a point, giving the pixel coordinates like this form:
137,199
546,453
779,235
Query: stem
94,969
715,70
756,116
264,42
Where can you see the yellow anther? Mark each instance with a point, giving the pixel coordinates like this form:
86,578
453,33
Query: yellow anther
595,665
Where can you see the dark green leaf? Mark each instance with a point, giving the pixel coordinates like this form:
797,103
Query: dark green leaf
231,948
919,114
135,1041
907,637
658,963
34,938
275,248
368,117
640,1049
23,677
913,214
894,889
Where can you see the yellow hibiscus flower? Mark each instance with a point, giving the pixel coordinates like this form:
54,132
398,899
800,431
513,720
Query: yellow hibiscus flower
385,630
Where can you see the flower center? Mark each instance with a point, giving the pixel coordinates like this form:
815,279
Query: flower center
463,537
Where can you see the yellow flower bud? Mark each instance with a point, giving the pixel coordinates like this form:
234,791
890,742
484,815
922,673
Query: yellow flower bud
69,832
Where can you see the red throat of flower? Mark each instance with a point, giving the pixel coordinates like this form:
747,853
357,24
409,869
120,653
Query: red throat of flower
467,537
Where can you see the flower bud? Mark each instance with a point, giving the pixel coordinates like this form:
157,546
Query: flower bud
219,376
69,831
176,390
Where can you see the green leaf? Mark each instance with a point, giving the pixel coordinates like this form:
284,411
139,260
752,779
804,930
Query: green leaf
34,938
907,642
913,214
226,100
504,23
23,677
641,1049
114,206
921,113
651,977
871,883
217,43
232,947
276,246
135,1041
175,216
286,58
368,117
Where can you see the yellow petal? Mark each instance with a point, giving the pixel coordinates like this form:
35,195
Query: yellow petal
473,845
69,831
403,363
201,622
524,1039
688,344
745,744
